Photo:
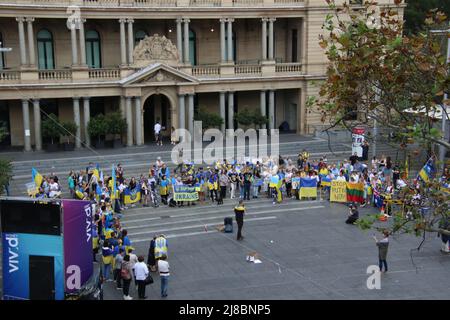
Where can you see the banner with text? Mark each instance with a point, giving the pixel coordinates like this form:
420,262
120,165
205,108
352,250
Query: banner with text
185,193
338,191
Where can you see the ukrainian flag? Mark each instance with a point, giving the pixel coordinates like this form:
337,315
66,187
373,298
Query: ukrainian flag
132,196
114,186
96,172
308,188
427,171
37,178
325,181
79,194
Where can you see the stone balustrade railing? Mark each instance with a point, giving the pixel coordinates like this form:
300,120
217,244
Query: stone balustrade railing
104,74
160,3
247,69
55,74
213,70
9,75
288,67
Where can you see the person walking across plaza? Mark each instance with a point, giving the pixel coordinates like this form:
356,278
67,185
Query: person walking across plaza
239,212
163,267
157,130
383,246
141,271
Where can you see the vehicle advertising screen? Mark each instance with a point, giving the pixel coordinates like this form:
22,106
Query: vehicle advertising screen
26,270
77,233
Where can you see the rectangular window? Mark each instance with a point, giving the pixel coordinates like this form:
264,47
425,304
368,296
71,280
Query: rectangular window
294,45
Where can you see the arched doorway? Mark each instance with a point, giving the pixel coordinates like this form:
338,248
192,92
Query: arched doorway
157,108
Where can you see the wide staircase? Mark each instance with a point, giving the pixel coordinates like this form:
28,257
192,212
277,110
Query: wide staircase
138,161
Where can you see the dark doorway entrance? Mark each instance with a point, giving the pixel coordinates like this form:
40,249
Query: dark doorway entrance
156,108
42,278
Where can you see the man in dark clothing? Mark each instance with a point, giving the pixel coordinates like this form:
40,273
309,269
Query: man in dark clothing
383,246
247,184
354,158
353,215
239,212
365,151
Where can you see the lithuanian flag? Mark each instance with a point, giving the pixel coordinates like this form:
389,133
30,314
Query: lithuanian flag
355,192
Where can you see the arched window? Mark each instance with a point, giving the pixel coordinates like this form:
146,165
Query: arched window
93,50
192,47
234,45
140,35
45,50
2,57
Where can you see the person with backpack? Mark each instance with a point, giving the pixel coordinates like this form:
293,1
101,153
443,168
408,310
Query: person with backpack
125,274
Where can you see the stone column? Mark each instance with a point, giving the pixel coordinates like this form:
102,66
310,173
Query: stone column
129,116
271,109
138,114
32,54
130,41
262,104
271,43
82,43
230,40
264,39
86,118
230,110
76,118
186,41
191,113
181,106
123,44
222,111
180,38
26,125
223,48
73,38
37,125
23,55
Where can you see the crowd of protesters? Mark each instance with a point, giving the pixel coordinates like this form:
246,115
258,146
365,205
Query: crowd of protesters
246,180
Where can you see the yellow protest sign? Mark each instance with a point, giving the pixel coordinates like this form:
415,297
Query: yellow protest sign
338,191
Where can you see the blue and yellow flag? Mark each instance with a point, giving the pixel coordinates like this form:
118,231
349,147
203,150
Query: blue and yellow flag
96,172
132,196
325,181
114,186
308,187
36,177
427,171
79,194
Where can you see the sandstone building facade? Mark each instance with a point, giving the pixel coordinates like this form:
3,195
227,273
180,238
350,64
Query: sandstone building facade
157,60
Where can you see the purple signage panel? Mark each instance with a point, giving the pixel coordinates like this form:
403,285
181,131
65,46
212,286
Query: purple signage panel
77,233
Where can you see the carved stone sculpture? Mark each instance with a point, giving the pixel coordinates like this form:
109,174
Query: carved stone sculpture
155,49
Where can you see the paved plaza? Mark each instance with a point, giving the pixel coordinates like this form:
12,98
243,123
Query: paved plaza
306,249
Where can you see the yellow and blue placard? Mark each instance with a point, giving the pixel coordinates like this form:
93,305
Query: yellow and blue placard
308,187
132,196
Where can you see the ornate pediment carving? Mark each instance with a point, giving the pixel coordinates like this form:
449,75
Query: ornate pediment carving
161,76
155,49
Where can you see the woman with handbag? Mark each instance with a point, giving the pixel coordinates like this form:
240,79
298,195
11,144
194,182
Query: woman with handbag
142,274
